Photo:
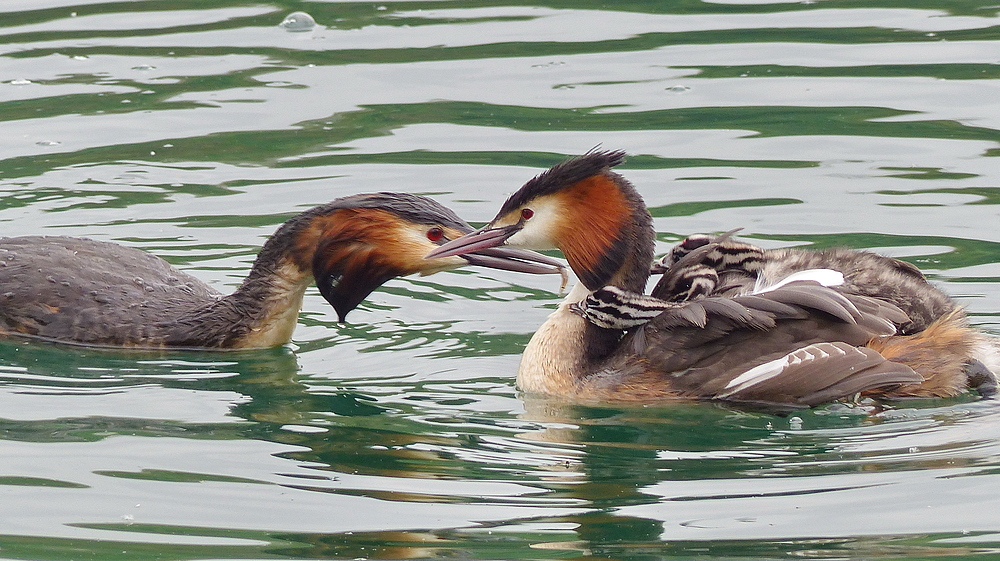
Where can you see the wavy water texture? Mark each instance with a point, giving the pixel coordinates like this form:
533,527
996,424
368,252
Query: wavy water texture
193,129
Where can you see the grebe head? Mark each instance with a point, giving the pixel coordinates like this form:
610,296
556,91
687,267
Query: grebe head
593,215
360,242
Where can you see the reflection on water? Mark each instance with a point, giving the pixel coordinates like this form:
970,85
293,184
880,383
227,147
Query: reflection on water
194,130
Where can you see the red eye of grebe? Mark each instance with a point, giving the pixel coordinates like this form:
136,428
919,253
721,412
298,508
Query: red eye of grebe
526,213
435,234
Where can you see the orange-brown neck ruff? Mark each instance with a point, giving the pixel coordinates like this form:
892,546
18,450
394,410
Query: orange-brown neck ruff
354,251
592,231
607,237
356,238
339,233
601,222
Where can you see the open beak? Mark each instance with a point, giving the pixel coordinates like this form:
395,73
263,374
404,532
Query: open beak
484,247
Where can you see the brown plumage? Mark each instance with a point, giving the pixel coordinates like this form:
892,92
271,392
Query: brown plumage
934,338
940,354
880,329
88,292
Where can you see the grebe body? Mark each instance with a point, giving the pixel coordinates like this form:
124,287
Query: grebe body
88,292
795,344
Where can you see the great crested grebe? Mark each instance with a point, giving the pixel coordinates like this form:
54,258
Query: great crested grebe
793,342
88,292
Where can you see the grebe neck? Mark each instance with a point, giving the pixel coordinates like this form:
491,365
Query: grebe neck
264,310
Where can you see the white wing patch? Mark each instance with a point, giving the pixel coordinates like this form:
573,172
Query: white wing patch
763,372
825,277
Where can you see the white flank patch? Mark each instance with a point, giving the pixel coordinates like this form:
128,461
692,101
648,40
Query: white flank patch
825,277
759,373
768,370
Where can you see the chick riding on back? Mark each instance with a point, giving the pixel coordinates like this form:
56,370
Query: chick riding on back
796,344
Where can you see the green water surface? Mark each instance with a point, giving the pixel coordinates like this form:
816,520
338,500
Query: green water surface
193,129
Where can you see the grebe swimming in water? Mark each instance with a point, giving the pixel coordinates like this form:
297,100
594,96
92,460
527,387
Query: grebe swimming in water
787,341
82,291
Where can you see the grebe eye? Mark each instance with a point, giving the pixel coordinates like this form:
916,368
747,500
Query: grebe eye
526,213
435,234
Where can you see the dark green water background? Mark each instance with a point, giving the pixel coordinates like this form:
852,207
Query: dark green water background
191,129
